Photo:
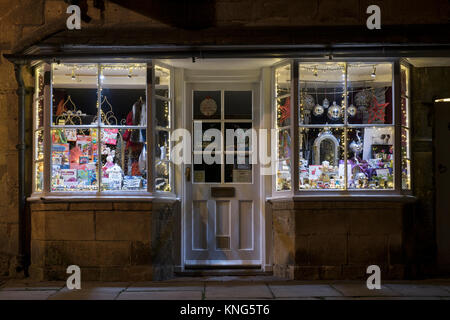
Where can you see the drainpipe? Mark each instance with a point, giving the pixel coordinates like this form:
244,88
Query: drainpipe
21,91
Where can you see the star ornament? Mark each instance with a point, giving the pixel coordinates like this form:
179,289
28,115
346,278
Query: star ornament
377,111
285,110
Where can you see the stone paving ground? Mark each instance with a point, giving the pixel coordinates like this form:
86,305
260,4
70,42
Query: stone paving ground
226,288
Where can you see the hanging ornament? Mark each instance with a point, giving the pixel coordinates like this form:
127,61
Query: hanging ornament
363,98
334,112
208,107
318,110
325,102
307,101
285,110
377,111
351,111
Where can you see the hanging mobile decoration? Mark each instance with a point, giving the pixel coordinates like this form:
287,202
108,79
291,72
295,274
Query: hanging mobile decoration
318,109
334,112
307,101
325,102
351,111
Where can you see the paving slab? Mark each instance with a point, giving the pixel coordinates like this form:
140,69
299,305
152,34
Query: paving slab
161,295
98,293
294,291
414,290
165,286
256,291
382,298
25,295
361,290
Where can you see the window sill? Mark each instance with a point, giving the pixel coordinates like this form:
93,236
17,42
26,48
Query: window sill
116,197
346,196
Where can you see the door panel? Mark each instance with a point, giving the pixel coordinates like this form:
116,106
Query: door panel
223,230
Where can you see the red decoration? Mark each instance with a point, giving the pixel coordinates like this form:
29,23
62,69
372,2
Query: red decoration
377,111
285,110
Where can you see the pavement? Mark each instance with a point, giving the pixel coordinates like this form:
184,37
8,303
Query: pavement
226,288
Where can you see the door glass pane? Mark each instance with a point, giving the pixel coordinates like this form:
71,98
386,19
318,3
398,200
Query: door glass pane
205,135
207,105
204,173
74,94
238,136
238,104
239,171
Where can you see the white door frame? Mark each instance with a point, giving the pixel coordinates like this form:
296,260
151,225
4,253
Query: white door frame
253,76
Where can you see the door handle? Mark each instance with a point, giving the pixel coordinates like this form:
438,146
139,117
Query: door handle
187,174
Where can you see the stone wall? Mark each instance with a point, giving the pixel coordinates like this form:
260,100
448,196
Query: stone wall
24,23
109,241
427,84
339,239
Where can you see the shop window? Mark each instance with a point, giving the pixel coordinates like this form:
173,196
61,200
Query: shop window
405,127
94,121
282,97
346,128
163,100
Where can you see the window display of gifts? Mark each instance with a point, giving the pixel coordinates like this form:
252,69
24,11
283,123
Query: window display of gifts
109,136
132,183
69,177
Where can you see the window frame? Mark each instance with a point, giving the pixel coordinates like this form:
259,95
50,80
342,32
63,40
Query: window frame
150,192
294,129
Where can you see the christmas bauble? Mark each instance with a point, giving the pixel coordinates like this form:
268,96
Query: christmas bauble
334,112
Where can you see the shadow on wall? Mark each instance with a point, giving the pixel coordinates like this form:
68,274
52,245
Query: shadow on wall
186,14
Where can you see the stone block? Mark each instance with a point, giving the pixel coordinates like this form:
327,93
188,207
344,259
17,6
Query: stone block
330,272
395,247
332,12
132,206
123,225
367,249
90,206
68,225
375,222
353,272
321,222
30,12
307,273
301,250
328,249
42,206
141,253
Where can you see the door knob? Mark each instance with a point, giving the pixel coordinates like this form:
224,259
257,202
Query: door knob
187,174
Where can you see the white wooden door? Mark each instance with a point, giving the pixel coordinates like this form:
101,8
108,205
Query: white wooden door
222,209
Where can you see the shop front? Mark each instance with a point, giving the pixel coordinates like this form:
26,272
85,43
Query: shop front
147,169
